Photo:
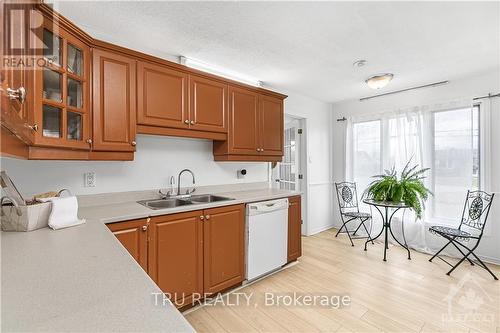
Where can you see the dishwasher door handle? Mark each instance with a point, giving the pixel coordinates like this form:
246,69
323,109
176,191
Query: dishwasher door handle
269,206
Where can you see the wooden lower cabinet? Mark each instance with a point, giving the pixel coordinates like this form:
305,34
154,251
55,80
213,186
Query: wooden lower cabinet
294,228
134,237
224,248
189,254
176,255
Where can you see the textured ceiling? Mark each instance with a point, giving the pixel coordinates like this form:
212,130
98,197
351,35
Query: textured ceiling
309,47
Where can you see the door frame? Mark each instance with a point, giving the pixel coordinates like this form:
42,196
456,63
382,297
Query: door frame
304,186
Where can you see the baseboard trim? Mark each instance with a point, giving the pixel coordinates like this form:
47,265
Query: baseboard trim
320,229
490,260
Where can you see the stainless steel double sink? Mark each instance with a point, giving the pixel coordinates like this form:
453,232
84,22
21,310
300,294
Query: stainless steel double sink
182,201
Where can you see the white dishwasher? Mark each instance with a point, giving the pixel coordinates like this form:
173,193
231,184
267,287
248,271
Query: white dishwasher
266,237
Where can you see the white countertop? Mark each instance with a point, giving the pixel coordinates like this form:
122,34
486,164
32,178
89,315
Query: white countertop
132,210
82,279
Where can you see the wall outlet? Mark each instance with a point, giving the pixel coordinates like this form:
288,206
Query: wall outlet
89,179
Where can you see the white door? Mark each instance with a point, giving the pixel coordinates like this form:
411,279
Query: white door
289,174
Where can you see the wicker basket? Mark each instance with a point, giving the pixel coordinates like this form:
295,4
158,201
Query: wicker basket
25,218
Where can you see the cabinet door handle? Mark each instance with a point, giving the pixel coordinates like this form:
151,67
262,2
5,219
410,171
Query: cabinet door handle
33,127
89,141
207,217
19,94
186,122
192,122
258,149
202,217
133,143
144,228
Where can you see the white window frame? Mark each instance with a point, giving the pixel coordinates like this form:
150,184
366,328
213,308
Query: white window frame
484,152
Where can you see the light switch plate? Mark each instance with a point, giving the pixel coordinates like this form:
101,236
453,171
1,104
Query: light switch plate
89,179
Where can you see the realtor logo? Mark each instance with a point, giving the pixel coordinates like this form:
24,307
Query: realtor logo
465,300
22,44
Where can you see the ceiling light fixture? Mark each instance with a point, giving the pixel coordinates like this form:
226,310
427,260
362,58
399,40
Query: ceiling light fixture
379,81
219,71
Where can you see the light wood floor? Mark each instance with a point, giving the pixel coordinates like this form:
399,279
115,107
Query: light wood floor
394,296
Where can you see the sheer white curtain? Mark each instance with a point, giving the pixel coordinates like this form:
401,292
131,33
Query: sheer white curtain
437,136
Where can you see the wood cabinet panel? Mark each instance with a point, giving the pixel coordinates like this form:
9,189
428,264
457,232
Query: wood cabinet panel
271,125
207,104
99,93
176,255
114,117
244,118
223,234
61,96
14,74
294,228
256,128
162,96
133,236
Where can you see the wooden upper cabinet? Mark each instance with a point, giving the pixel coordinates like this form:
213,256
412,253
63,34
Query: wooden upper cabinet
114,88
294,228
61,88
176,255
256,128
207,104
133,236
87,98
16,82
271,126
244,118
162,95
224,253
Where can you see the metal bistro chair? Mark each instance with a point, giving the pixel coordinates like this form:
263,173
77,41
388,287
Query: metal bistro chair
476,209
349,210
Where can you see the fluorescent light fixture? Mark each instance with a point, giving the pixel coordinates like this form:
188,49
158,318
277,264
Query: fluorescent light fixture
379,81
219,71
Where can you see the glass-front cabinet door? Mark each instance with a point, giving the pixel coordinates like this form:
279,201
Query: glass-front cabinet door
62,89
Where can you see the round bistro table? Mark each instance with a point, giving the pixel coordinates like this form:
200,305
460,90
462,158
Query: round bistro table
386,222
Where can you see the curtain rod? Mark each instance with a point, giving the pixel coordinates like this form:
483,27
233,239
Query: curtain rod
490,95
407,89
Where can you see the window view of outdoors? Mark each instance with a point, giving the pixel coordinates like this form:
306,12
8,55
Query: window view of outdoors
455,150
366,159
456,160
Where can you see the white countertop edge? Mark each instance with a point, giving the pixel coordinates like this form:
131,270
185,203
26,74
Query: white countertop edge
114,215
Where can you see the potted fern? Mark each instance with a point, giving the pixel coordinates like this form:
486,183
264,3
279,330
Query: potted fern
409,188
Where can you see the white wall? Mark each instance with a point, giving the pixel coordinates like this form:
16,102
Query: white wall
478,85
157,158
319,157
